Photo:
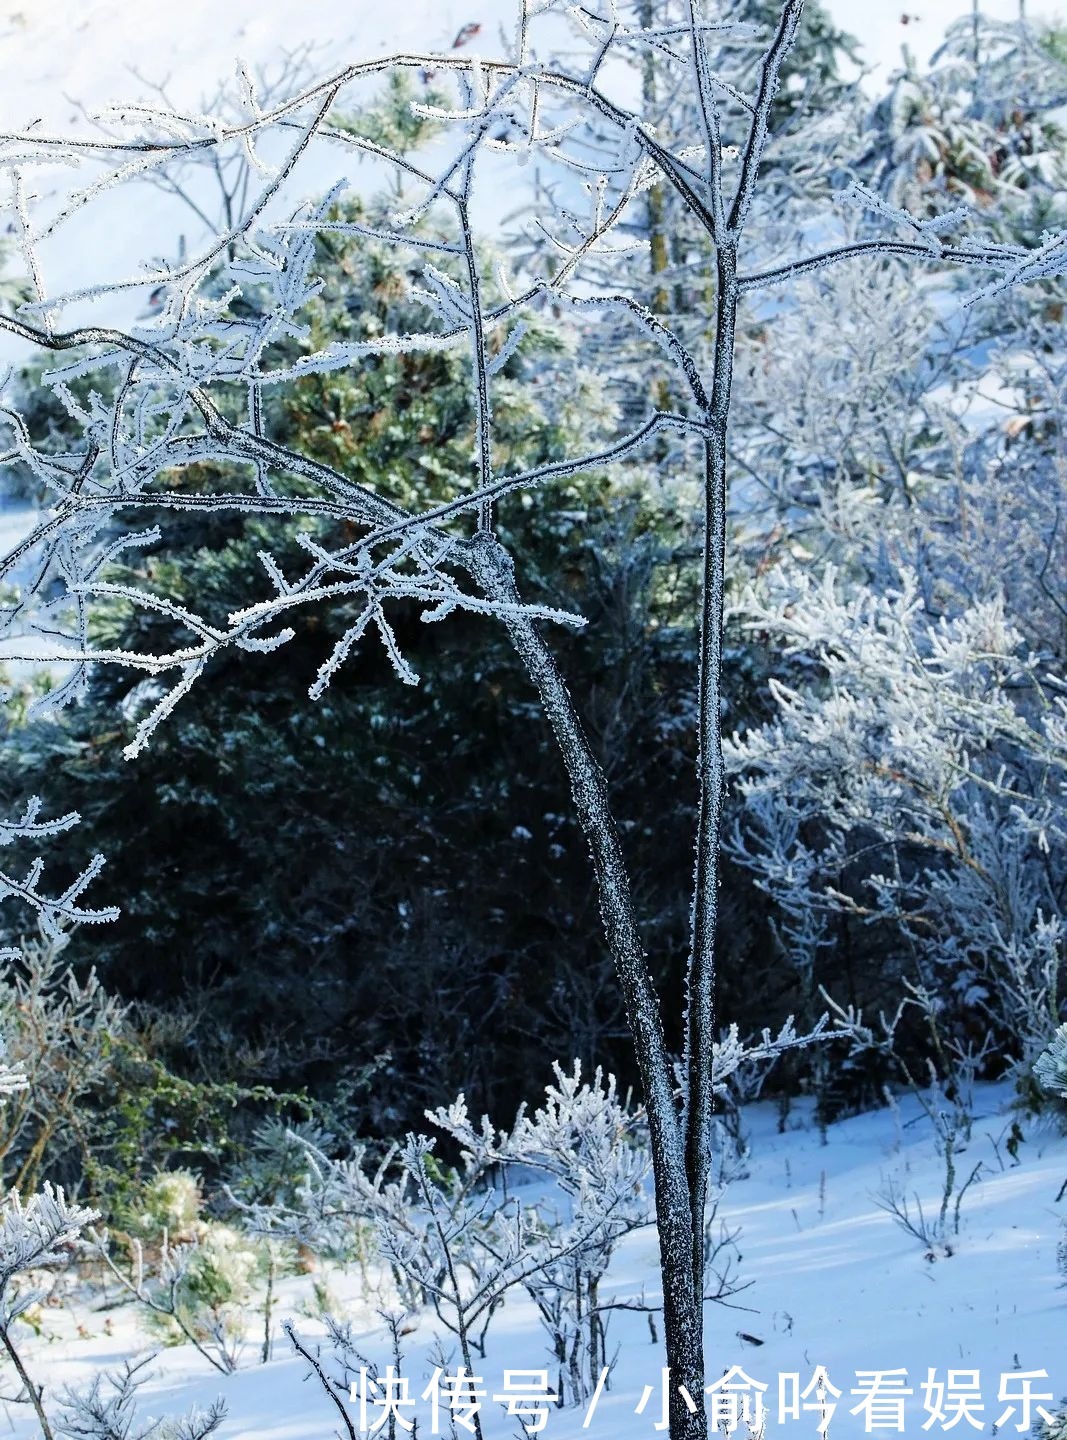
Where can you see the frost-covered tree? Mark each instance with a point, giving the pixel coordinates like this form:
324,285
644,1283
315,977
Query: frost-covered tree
904,439
920,783
189,395
979,124
313,781
902,457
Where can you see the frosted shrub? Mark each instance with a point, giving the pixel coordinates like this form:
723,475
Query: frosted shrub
929,748
340,1368
36,1236
592,1144
1050,1067
945,1093
273,1172
195,1277
169,1204
57,1028
218,1279
107,1410
224,1267
61,1029
197,1291
457,1240
451,1242
1056,1429
332,1203
460,1244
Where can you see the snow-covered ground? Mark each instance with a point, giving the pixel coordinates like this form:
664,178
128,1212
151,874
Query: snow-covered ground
835,1283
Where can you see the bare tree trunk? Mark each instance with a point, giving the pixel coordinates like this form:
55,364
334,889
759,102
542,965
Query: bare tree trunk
681,1154
683,1317
700,1018
268,1306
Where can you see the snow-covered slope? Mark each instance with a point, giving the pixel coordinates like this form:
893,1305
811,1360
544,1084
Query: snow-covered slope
835,1282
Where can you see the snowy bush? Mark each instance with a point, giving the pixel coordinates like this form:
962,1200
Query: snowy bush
36,1236
219,1277
592,1146
39,1232
62,1030
1053,1430
196,1291
169,1204
980,124
107,1410
458,1240
914,782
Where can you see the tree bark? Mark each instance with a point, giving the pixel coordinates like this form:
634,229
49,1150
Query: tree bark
683,1317
700,1019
